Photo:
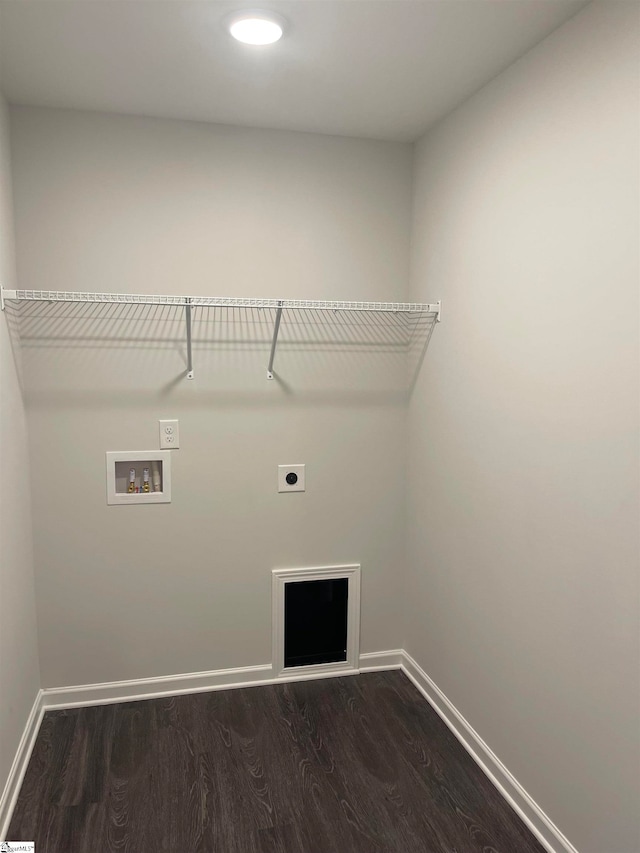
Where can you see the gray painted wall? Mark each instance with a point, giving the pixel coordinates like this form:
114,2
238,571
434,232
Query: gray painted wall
19,673
522,587
108,203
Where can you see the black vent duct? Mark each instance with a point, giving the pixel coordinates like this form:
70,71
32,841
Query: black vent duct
315,621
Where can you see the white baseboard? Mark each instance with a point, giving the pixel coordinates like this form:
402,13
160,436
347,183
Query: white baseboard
251,676
542,827
111,692
20,762
373,661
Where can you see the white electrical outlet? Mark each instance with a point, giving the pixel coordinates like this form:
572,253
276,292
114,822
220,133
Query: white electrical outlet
291,478
169,434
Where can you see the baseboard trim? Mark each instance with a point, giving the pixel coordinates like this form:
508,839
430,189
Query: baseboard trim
542,826
20,762
134,690
374,661
137,689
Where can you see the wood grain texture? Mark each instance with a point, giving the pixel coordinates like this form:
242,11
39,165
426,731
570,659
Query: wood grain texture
360,764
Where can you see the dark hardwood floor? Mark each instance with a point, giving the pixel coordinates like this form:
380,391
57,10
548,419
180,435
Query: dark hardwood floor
344,765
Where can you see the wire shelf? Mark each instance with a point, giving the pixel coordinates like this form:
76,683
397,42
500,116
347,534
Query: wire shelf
215,301
72,318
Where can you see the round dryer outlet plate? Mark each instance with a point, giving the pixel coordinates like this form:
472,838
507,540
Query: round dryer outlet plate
291,478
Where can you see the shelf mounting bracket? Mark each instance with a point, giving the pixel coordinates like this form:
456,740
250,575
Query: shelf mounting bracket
274,341
5,294
187,314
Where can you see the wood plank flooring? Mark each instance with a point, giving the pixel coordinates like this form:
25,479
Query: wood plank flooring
360,764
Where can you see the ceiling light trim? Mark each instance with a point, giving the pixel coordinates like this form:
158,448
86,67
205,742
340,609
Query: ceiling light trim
256,27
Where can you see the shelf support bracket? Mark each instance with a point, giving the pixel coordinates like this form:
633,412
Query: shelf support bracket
5,294
274,341
437,309
187,314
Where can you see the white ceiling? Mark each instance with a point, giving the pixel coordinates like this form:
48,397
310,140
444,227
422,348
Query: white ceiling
385,69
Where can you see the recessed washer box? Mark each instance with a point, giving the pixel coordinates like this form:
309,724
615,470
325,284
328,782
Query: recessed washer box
125,467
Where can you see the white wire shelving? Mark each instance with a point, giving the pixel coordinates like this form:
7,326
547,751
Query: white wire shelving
403,323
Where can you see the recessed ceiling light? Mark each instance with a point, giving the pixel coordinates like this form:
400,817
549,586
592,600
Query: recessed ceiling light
256,27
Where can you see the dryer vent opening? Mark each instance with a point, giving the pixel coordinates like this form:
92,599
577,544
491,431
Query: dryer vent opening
315,621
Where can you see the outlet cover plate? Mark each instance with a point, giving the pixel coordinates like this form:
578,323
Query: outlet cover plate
169,435
284,471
